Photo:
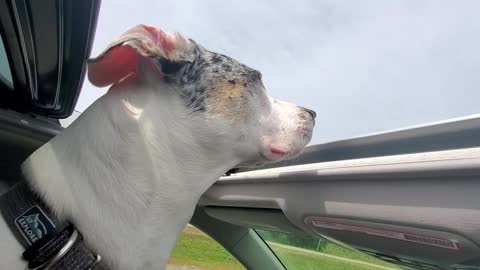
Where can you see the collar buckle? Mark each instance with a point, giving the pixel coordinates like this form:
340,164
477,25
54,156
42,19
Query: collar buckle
59,255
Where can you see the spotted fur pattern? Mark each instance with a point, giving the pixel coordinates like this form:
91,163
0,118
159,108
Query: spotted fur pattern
213,82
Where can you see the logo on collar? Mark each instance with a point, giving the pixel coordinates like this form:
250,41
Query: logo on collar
34,224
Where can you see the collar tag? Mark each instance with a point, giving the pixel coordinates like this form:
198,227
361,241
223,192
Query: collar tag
34,224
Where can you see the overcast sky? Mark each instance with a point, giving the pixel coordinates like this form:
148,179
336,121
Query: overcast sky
364,66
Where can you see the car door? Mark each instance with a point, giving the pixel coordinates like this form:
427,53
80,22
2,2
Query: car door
409,197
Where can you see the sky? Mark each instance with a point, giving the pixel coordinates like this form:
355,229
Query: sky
363,66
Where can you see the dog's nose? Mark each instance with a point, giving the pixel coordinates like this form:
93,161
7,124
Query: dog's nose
311,112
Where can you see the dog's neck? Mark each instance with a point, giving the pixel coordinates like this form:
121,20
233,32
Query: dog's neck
129,172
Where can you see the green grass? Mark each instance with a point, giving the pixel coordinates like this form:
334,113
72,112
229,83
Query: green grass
312,262
195,248
201,251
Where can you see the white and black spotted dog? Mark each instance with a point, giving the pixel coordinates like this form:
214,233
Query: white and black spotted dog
130,170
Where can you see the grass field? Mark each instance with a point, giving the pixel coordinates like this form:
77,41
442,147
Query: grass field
198,251
194,248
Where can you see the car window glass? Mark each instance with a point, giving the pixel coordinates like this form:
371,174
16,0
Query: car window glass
309,253
196,250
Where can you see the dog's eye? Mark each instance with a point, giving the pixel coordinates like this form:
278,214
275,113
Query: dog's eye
169,67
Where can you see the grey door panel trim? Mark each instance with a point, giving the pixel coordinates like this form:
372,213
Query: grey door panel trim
431,164
445,135
433,191
18,124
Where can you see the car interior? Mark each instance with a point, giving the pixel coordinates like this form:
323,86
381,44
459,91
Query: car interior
408,197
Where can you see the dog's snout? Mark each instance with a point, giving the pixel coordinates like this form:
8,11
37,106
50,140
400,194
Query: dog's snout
309,111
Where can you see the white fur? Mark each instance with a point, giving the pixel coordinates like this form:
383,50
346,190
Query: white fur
129,172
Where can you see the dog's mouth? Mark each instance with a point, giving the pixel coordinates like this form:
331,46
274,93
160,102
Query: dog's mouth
266,157
274,155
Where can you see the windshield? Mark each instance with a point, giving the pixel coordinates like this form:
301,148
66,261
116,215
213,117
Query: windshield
5,74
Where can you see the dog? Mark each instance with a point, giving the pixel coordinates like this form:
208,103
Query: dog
129,171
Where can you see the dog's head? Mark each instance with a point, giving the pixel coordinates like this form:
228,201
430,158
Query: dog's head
214,86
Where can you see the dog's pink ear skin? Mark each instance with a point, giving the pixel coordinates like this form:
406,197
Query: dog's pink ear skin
121,57
115,64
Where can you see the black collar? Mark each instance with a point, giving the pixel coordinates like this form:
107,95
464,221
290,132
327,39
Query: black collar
50,242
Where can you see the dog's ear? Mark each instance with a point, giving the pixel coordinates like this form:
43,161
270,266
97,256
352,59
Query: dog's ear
121,56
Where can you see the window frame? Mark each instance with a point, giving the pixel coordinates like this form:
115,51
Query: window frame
4,81
43,85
